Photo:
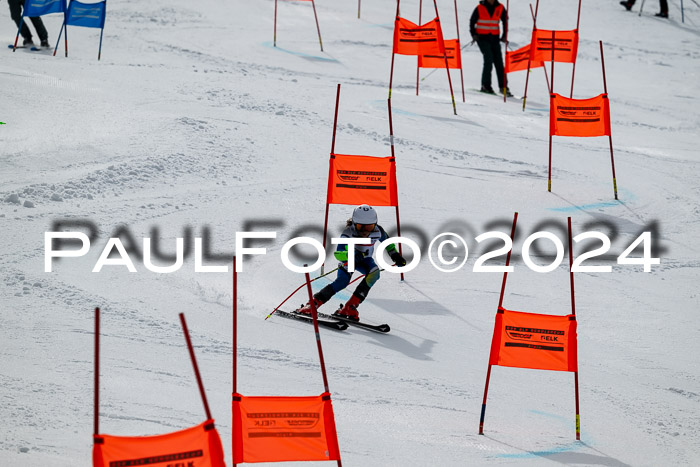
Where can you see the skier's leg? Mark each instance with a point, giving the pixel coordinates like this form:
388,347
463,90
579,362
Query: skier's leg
341,281
371,271
40,30
498,62
16,15
322,296
488,63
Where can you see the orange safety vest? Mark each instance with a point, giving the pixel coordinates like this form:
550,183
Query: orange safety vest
488,24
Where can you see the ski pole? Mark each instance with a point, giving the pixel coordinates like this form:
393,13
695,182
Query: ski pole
436,69
297,289
302,285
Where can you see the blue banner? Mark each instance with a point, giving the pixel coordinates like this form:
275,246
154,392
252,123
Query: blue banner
34,8
88,15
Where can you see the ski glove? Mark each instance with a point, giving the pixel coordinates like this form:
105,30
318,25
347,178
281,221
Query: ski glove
342,255
397,258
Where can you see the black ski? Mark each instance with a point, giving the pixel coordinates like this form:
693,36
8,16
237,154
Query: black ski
326,321
383,328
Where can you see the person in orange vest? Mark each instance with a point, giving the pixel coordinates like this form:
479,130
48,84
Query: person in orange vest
484,26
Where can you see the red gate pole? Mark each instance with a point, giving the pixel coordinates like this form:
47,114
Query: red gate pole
573,72
391,75
420,11
194,364
500,305
551,97
274,37
313,5
459,51
330,174
96,430
573,312
235,327
605,88
534,28
21,21
447,66
546,78
318,335
505,50
505,274
393,156
235,338
314,313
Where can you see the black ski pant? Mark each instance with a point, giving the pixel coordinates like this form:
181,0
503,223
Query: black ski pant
490,47
16,15
663,5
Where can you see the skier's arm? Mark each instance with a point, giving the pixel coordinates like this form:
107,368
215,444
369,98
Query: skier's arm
391,249
341,253
472,24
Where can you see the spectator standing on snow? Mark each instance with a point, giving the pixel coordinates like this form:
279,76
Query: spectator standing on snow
16,7
663,4
485,30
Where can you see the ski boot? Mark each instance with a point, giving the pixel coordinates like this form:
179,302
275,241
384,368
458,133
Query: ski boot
627,4
306,309
349,311
508,94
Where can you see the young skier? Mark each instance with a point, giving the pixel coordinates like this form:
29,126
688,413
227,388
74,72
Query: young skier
363,224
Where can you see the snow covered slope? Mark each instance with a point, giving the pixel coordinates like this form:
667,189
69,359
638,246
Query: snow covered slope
193,122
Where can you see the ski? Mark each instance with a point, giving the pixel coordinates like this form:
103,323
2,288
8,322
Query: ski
326,321
383,328
32,48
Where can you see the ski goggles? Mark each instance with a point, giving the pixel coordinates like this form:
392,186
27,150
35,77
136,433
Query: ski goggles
365,227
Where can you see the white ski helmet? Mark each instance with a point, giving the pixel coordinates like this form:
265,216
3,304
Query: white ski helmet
364,214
